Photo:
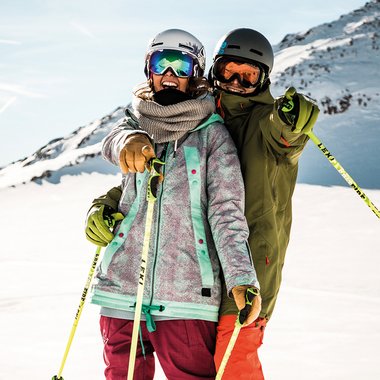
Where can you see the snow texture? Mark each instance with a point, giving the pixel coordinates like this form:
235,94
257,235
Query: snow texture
325,325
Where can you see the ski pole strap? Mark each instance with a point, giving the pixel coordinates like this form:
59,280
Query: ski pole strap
288,107
288,104
343,173
155,177
110,220
250,294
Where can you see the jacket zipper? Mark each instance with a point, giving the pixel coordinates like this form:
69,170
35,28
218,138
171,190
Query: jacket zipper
274,191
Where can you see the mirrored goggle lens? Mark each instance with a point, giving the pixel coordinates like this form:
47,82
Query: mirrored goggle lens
181,63
247,74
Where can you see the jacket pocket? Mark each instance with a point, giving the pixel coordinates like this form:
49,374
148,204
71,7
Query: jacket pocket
193,168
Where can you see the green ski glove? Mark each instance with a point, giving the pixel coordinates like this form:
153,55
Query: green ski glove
298,110
99,224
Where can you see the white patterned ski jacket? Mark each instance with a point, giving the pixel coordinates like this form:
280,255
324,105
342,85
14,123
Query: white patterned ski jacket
199,228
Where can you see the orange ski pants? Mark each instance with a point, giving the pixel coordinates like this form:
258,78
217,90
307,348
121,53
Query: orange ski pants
244,362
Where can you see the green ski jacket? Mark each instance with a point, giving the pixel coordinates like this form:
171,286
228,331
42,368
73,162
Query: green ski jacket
269,154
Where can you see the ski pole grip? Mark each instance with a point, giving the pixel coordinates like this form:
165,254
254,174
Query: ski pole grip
287,103
155,177
290,92
250,294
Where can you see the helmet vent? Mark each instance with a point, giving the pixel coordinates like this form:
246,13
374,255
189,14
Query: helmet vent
233,46
256,52
185,46
157,44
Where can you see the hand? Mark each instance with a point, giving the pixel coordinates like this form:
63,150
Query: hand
138,150
99,223
239,293
298,110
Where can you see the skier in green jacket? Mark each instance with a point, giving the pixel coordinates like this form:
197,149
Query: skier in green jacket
270,137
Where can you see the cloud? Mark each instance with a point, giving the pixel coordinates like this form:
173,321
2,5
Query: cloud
19,90
8,103
10,42
82,29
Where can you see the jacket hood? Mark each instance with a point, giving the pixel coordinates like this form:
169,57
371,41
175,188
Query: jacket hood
214,118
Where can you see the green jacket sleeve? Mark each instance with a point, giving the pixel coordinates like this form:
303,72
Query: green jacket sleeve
279,136
110,199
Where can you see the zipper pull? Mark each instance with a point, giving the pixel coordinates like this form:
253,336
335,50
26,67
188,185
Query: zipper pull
175,148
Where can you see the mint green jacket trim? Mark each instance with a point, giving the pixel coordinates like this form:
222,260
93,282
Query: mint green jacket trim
193,167
125,226
172,309
214,118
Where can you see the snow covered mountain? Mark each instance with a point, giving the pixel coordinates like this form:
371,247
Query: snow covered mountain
335,63
71,155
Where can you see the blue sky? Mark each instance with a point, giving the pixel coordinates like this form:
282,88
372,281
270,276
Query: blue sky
66,63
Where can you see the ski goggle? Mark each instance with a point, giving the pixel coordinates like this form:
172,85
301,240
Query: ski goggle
181,63
226,70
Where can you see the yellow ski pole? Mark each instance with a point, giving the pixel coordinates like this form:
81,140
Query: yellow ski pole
343,173
287,106
151,196
78,313
250,294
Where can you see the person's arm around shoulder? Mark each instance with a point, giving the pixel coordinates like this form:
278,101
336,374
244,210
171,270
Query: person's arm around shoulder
128,147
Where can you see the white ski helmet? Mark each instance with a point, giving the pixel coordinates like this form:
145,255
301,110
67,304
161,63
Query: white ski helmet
180,40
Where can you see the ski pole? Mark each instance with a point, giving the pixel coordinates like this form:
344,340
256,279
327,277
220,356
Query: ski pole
343,173
151,196
250,294
287,106
78,313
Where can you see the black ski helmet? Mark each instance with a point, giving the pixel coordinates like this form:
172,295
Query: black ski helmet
246,44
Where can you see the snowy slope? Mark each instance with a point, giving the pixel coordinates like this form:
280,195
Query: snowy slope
335,63
325,326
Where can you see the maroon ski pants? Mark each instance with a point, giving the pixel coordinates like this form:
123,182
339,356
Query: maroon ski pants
185,349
